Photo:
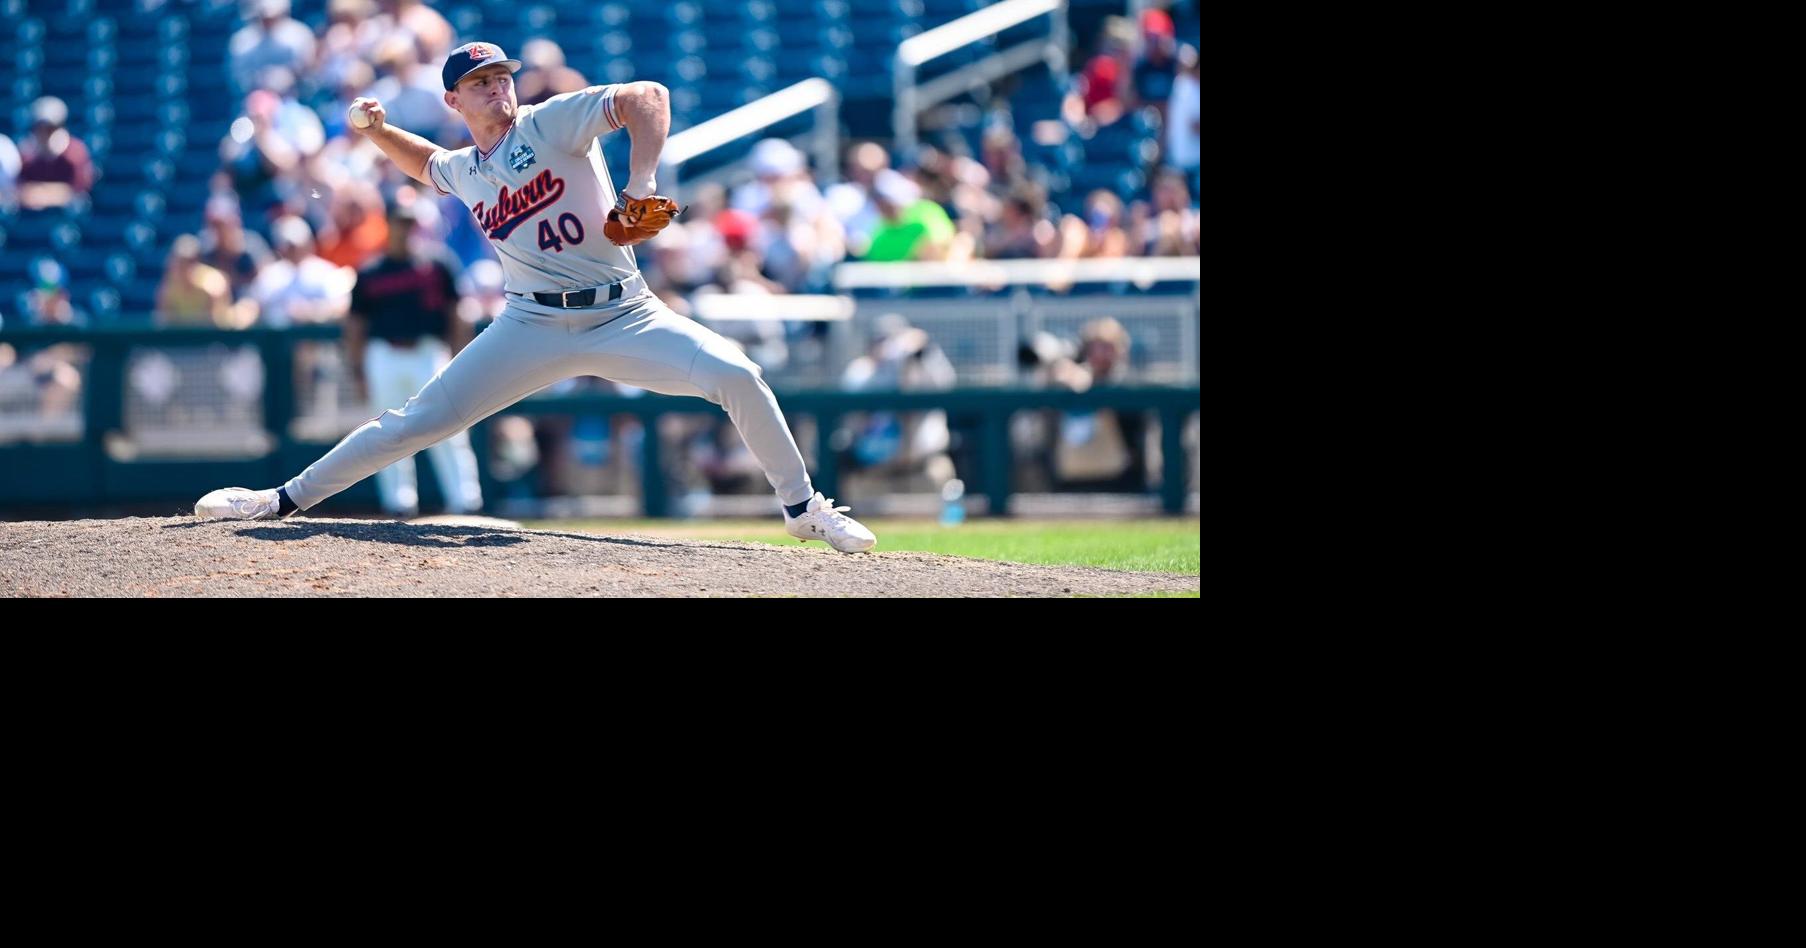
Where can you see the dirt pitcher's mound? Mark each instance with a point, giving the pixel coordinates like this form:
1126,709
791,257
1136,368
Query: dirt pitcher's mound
180,556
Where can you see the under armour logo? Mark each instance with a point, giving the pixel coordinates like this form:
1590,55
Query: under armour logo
473,171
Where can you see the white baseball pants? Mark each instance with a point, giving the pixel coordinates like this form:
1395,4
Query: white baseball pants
638,341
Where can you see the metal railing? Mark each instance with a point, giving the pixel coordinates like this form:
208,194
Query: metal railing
817,95
910,99
992,408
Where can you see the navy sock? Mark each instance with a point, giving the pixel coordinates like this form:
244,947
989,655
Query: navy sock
286,506
797,510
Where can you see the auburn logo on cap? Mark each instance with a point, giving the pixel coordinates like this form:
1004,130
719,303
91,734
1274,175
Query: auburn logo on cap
479,51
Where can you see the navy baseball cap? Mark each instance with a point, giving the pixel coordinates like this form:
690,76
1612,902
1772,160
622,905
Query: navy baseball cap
471,57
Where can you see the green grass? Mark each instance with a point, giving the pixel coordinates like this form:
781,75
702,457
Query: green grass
1161,546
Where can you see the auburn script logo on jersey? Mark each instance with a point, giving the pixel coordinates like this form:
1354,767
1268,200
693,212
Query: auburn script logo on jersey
513,208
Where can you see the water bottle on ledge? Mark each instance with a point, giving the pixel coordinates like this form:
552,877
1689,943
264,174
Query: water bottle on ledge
953,504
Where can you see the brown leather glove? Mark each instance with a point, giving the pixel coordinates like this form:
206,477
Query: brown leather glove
636,219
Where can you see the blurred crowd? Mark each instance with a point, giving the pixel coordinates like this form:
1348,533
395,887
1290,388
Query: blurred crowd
298,204
783,231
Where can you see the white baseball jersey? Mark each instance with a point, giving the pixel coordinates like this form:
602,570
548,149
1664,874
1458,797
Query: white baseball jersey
542,195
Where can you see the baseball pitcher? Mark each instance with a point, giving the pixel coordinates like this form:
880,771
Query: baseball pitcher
577,304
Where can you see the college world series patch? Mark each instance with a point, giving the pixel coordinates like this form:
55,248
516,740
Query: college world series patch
520,157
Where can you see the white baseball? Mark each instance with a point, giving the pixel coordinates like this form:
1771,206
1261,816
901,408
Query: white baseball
360,116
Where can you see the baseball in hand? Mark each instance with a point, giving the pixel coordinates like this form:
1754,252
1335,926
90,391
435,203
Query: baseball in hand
360,117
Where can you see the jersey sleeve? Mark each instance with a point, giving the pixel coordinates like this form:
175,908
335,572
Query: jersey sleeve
572,120
439,171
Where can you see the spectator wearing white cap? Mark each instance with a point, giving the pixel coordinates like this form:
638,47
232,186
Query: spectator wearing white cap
54,166
799,236
299,287
777,164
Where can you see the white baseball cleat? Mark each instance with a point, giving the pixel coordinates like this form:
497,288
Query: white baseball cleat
239,503
824,521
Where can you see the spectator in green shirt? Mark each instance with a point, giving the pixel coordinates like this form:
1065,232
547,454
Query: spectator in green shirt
913,227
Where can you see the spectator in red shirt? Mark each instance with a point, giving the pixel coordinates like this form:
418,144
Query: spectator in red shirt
1104,88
